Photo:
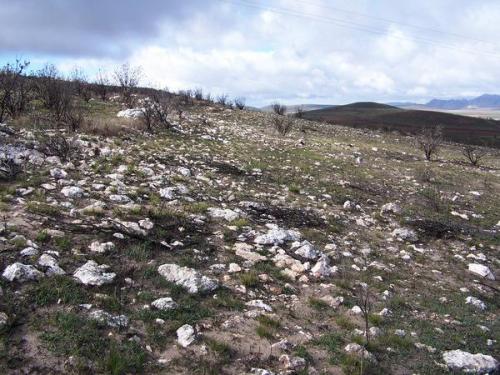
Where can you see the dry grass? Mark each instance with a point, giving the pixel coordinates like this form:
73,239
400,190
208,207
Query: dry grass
110,127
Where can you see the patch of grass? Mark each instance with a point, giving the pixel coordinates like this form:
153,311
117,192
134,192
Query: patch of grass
301,351
269,268
375,319
43,209
220,349
225,299
240,223
139,252
345,323
331,342
42,236
52,289
63,243
318,304
69,334
125,358
250,279
269,322
265,332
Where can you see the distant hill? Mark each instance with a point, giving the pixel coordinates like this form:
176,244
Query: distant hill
305,107
371,115
484,101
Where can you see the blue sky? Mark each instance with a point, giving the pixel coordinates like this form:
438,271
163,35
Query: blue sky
295,51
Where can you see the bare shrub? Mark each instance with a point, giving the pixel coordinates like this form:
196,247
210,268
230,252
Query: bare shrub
9,169
239,103
101,84
365,304
424,174
198,94
300,113
279,109
80,84
156,110
282,124
222,99
128,78
14,90
474,154
429,140
185,97
54,93
57,145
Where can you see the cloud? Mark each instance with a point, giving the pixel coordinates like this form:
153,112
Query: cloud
302,55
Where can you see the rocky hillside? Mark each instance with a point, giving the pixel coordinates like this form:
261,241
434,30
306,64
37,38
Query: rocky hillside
220,247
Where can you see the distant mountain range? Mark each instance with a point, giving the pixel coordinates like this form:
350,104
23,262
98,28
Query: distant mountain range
484,101
371,115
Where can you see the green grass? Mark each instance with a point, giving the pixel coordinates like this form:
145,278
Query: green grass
318,304
125,358
43,209
52,289
139,252
250,279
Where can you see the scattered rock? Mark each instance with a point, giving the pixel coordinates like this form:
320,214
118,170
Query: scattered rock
186,335
92,273
188,278
458,360
21,273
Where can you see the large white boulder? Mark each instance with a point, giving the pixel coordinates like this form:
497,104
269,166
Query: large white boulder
226,214
165,303
277,236
190,279
131,113
21,272
458,360
186,335
92,273
481,270
72,192
51,264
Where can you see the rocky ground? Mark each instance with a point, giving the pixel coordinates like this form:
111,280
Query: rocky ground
219,247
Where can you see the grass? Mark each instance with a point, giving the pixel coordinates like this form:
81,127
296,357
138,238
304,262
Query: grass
43,209
139,252
50,290
125,358
267,327
318,304
250,279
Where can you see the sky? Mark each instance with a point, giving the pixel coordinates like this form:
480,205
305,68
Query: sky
292,51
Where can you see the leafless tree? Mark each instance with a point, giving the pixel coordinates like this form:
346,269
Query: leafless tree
14,91
300,113
239,103
156,110
128,78
222,99
57,145
80,83
279,109
429,140
54,93
474,154
198,94
101,85
365,304
282,124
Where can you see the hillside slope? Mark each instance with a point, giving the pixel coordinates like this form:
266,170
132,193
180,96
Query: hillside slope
381,116
219,247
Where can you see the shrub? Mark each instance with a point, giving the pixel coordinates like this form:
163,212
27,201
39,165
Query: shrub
9,169
279,109
429,140
128,78
156,110
239,103
222,99
282,124
101,84
14,90
57,145
474,154
54,93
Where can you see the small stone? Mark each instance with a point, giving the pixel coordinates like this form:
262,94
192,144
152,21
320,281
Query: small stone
165,303
186,335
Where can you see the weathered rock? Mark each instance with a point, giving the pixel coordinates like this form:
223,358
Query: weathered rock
226,214
72,192
260,304
58,173
476,302
51,264
292,363
21,272
190,279
101,247
307,251
405,234
481,270
92,273
114,321
358,350
390,208
246,252
458,360
165,303
277,237
186,335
